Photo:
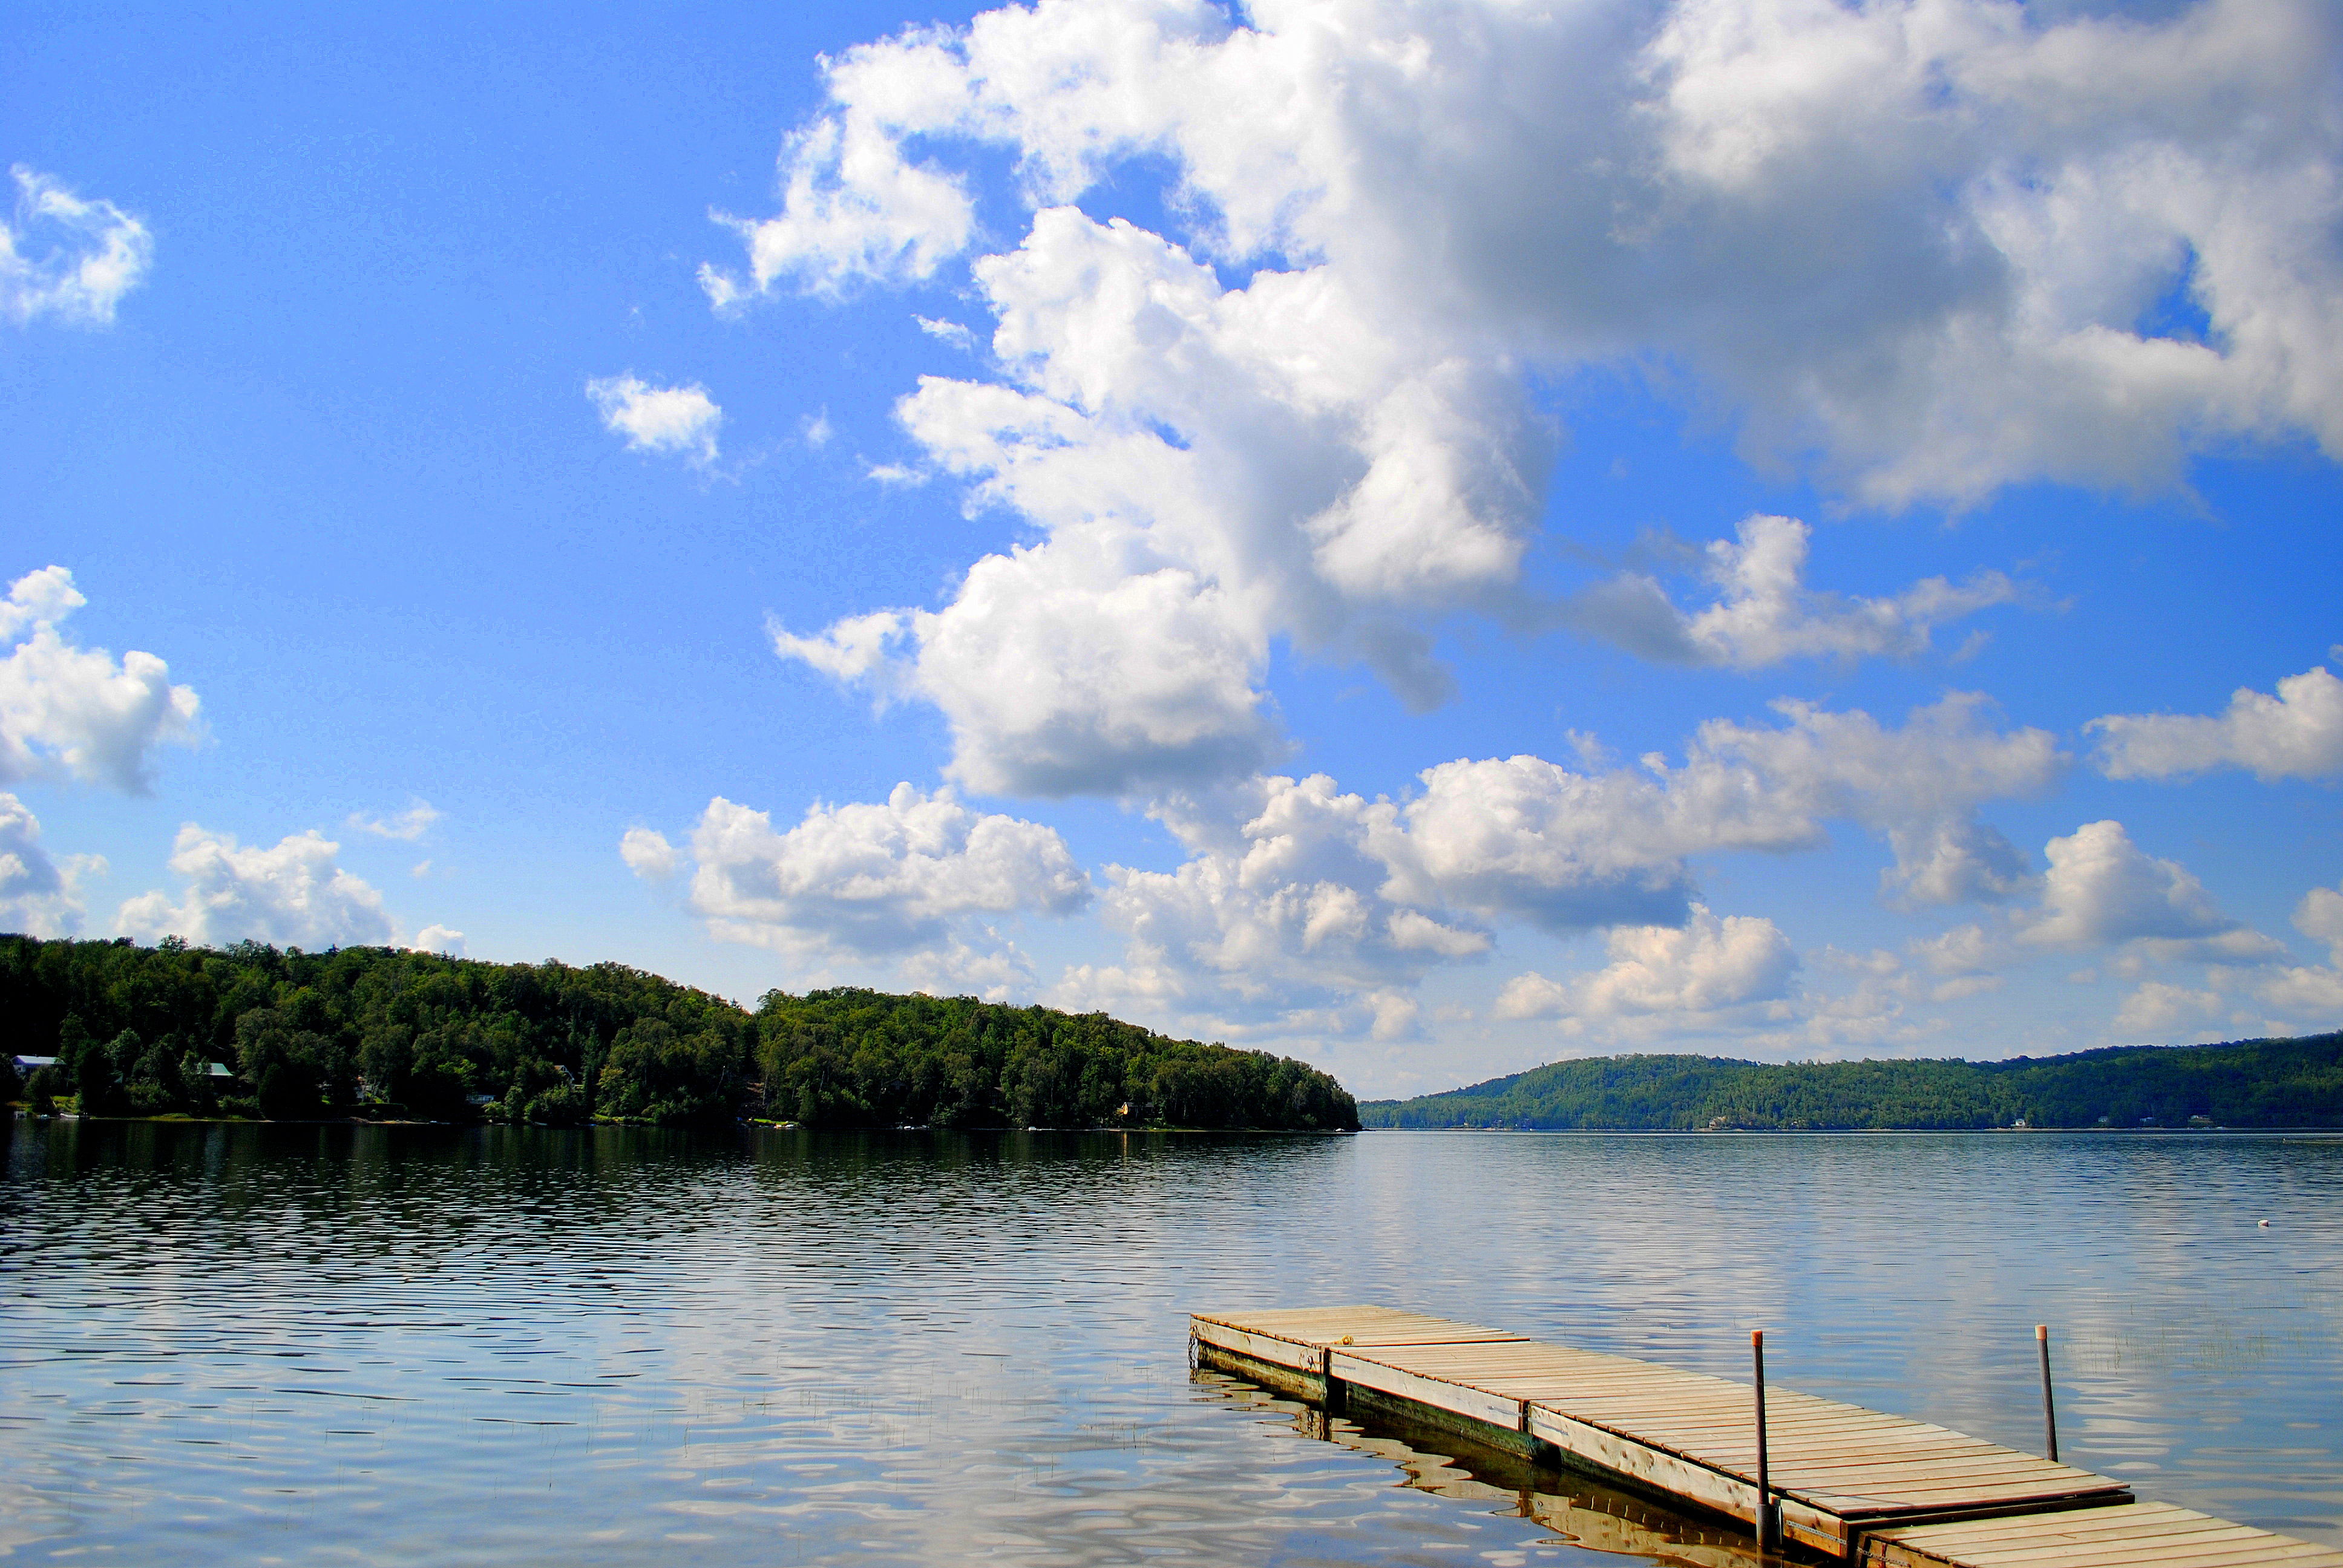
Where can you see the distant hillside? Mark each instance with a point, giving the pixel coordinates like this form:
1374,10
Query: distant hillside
2247,1084
382,1033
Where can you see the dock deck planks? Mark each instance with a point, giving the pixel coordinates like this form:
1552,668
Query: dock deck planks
1853,1484
2127,1535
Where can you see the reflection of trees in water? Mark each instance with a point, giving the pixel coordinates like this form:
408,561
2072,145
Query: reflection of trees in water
1580,1509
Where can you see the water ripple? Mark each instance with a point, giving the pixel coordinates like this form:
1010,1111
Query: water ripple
330,1344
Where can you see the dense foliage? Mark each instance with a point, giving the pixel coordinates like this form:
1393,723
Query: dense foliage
136,1031
859,1058
380,1031
2249,1084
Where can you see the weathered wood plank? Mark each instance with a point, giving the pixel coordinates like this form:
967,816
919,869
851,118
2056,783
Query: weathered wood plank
1671,1474
1323,1326
1369,1369
2124,1535
1261,1347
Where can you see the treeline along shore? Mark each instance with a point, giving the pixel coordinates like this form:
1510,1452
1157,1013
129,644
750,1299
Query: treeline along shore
2250,1083
384,1033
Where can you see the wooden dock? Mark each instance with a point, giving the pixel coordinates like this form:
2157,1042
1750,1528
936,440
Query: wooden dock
1851,1484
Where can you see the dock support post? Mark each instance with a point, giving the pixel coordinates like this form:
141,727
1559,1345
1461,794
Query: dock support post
2049,1412
1769,1531
1336,1400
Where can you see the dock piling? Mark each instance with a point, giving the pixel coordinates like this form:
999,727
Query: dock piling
1769,1533
2049,1412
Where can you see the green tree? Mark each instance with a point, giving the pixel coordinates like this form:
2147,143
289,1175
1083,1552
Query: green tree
289,1068
42,1089
654,1074
95,1071
553,1044
153,1077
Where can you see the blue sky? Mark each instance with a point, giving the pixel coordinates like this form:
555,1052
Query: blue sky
1431,537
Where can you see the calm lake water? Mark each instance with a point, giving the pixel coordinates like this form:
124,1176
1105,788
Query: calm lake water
312,1345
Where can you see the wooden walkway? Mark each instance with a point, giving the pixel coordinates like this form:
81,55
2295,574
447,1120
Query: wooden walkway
1852,1484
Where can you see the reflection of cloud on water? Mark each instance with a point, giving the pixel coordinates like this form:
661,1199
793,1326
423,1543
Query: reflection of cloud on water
953,1346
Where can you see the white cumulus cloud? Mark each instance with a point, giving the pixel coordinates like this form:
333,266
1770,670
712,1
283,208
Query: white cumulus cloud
1920,785
2158,1010
2297,734
40,895
950,332
1282,914
854,209
912,874
1530,839
88,254
2254,992
667,421
2319,917
1918,242
68,711
438,940
404,826
1300,902
648,854
2306,996
1706,965
1063,669
2102,889
1765,613
292,892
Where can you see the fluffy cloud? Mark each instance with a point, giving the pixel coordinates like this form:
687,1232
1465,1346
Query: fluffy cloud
405,826
1064,670
2297,734
950,332
648,854
1532,839
2299,995
664,420
1289,918
438,940
291,893
908,877
2102,889
2319,917
1920,785
1965,952
852,210
2157,1010
1303,904
94,253
39,896
1706,965
73,712
1766,614
1916,240
2246,987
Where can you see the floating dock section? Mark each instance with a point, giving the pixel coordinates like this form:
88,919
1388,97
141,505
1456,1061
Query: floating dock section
1850,1484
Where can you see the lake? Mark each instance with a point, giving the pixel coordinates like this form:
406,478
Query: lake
336,1344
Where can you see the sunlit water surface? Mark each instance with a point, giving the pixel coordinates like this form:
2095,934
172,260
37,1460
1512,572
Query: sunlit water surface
319,1345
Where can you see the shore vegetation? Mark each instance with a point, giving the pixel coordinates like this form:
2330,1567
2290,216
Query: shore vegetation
386,1033
2249,1083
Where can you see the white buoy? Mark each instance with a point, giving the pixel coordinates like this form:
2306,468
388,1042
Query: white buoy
2263,1223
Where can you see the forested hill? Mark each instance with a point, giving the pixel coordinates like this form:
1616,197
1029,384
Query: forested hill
383,1032
2247,1084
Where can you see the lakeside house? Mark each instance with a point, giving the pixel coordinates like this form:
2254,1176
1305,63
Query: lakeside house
28,1065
